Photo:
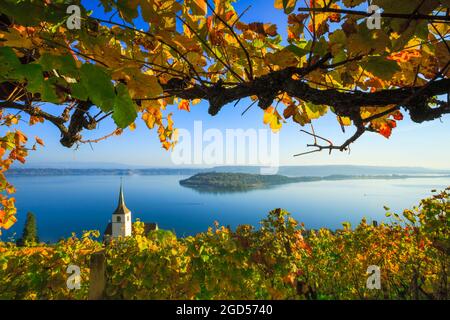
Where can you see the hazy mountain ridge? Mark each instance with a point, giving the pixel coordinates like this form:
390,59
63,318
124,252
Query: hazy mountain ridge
327,170
290,171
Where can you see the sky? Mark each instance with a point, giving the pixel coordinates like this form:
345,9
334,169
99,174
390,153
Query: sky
411,144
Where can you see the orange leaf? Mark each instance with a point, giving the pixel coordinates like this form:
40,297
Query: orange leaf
184,105
398,116
385,130
166,145
39,141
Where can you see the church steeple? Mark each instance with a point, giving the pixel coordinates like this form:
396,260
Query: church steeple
121,218
121,207
121,224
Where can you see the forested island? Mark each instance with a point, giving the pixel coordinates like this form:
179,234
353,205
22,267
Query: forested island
230,182
237,181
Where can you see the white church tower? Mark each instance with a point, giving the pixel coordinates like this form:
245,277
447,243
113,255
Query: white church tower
121,218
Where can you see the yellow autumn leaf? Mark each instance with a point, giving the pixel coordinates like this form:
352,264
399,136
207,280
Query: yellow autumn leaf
345,121
287,5
15,38
149,119
144,86
284,58
314,111
273,119
175,135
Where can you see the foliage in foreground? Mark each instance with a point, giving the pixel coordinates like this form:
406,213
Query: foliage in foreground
76,64
280,260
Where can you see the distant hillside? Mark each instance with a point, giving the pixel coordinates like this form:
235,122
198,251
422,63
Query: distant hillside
73,165
289,171
99,172
326,170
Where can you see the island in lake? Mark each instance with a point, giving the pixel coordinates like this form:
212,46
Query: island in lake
237,182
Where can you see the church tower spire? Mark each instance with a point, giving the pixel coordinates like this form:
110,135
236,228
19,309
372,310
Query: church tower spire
121,207
121,217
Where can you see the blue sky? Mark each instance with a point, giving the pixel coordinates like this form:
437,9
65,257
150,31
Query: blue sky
411,144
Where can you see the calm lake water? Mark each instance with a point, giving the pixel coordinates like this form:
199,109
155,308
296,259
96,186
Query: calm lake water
65,204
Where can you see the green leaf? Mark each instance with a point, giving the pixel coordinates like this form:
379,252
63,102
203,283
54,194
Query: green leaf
11,69
64,64
98,86
204,257
8,64
381,67
78,91
48,91
297,50
34,75
124,111
31,12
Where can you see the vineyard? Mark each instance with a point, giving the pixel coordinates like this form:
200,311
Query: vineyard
279,260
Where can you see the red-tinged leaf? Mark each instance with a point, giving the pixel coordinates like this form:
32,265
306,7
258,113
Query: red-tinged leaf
398,116
184,105
385,130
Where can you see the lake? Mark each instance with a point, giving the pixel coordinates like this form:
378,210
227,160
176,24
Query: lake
66,204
